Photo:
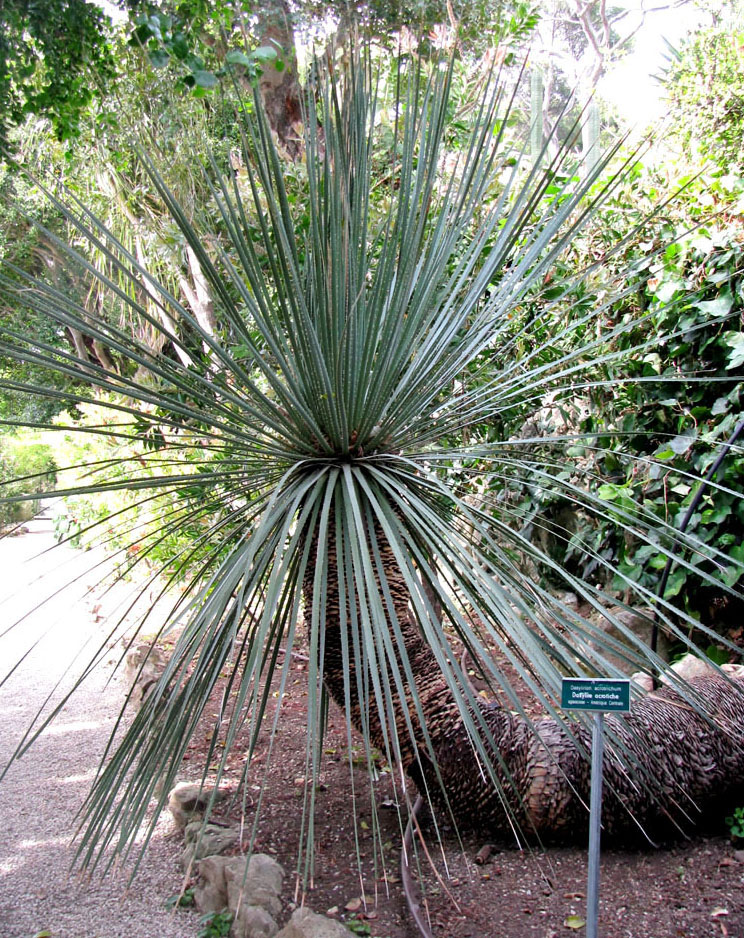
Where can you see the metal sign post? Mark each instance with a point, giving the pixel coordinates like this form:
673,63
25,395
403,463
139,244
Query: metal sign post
595,827
600,695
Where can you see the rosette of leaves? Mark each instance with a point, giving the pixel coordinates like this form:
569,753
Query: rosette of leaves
332,424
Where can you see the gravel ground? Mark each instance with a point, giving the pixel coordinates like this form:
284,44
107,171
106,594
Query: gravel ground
41,793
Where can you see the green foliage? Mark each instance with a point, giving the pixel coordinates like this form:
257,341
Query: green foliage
149,532
673,404
204,44
23,245
109,178
180,40
68,525
735,824
693,292
216,924
705,84
687,295
357,927
55,59
27,467
694,298
478,24
184,900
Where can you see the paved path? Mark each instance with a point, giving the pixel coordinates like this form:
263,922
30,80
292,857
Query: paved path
42,791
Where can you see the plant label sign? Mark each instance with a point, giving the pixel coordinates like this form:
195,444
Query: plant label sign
601,694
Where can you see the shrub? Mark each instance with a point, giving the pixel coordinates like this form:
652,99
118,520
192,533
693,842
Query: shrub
26,468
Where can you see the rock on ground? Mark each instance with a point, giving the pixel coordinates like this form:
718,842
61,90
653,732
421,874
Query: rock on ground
188,802
205,840
252,894
307,924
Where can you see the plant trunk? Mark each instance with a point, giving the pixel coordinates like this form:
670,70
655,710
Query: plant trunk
664,763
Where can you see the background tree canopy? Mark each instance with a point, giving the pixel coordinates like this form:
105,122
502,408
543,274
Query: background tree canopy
706,95
55,59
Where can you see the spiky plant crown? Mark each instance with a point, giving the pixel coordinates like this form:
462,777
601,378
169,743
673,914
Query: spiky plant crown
361,338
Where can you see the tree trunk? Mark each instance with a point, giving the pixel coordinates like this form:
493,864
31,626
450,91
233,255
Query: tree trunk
280,88
103,356
154,338
537,100
664,763
198,296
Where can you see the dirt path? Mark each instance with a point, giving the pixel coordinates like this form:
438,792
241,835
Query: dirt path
42,792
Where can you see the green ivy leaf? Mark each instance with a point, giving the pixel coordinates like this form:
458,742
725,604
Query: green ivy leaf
737,552
675,583
206,80
158,58
666,290
195,63
721,306
236,57
716,515
735,341
717,654
677,446
682,489
180,48
658,562
733,573
263,54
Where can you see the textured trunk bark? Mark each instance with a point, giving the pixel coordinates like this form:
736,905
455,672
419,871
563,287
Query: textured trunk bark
102,354
280,89
78,341
667,764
